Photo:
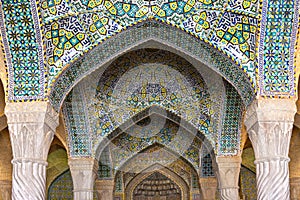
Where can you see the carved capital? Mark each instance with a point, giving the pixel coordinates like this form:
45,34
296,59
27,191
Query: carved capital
105,189
269,123
228,171
32,126
31,112
270,110
209,187
228,176
84,173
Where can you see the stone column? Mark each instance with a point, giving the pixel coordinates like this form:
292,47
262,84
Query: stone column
5,190
209,187
31,127
84,173
105,189
228,176
269,123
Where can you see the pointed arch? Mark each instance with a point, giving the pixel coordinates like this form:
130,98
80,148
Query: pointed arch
160,169
146,35
190,141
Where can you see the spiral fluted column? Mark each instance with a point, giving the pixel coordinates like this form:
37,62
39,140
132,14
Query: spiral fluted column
84,173
269,123
228,176
31,127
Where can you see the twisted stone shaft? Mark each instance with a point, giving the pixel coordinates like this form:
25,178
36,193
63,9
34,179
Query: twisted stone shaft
273,179
31,186
229,194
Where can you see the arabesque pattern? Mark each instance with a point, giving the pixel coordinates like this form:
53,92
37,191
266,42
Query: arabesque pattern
73,27
59,32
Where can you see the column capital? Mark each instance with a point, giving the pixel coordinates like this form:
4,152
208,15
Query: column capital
229,161
31,112
228,176
84,172
89,164
31,126
269,123
105,189
270,110
228,171
209,187
5,189
295,188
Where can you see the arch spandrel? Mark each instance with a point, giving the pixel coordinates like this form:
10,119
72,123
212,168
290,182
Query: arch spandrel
73,27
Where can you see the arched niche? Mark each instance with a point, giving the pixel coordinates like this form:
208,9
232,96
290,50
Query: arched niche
129,190
104,115
61,187
88,105
159,155
167,129
157,186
